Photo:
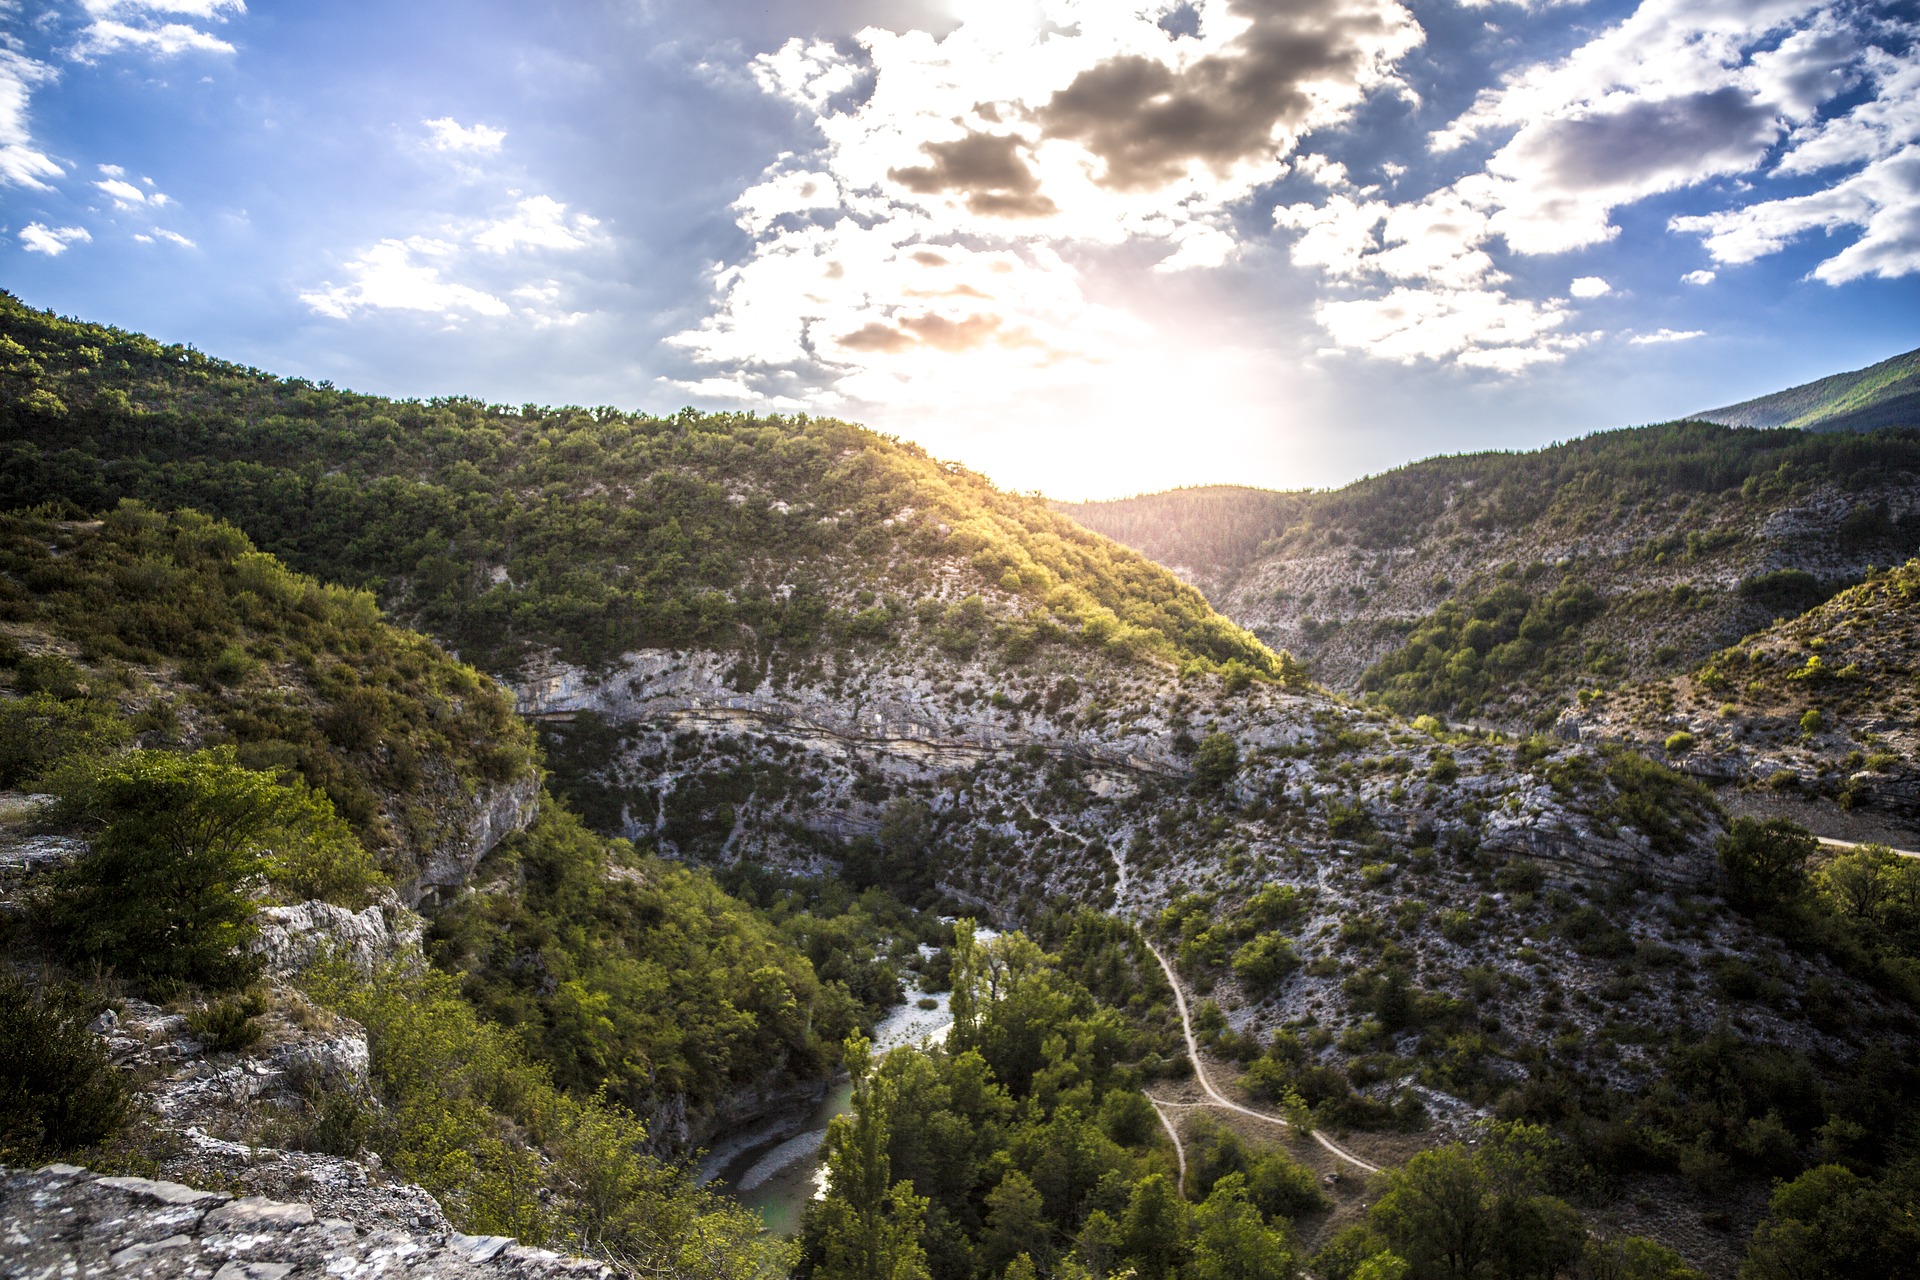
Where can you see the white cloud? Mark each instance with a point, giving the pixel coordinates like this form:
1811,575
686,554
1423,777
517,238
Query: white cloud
125,195
469,269
1477,328
392,276
144,26
22,162
959,177
1882,201
1698,277
212,9
37,237
448,134
165,40
1666,335
1678,93
537,223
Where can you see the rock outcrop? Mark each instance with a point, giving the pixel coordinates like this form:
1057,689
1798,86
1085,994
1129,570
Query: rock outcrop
62,1221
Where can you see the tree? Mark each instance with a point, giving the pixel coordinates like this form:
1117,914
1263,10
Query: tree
180,843
1153,1232
1455,1213
1017,1224
1215,761
1765,863
1635,1258
871,1225
58,1090
1231,1241
1830,1221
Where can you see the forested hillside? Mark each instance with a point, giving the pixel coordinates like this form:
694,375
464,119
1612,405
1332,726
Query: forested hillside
587,533
1496,587
865,691
1882,395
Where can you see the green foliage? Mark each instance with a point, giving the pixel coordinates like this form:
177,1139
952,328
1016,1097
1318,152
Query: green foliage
1832,1222
1786,591
1215,761
179,844
1765,863
869,1226
1462,654
1452,1212
398,735
58,1090
1265,963
227,1025
609,531
1577,483
466,1115
631,974
40,731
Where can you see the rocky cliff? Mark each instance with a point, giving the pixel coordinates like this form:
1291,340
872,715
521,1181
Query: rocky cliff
64,1221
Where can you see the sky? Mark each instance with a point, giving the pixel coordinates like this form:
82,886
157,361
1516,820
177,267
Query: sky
1088,247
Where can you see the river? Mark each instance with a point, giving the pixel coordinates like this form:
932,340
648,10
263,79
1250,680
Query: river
775,1167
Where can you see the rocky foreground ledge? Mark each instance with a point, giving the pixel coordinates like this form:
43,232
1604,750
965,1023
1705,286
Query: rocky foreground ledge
61,1222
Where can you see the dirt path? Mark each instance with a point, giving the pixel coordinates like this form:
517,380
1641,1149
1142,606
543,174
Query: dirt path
1830,843
1220,1099
1179,1150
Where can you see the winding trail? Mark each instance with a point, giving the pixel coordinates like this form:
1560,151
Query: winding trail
1220,1099
1831,843
1179,1151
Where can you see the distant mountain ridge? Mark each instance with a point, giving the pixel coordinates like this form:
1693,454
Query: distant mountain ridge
1881,395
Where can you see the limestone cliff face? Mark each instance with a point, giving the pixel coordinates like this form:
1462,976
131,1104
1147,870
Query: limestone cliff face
1047,780
472,827
64,1221
1340,607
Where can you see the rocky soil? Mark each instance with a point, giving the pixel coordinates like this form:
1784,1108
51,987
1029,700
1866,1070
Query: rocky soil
63,1221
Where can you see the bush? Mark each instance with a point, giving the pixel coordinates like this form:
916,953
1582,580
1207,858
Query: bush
1678,744
58,1091
228,1026
41,731
1765,863
1215,761
181,843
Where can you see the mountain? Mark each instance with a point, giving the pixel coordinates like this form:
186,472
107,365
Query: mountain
797,660
1495,587
1815,716
1882,395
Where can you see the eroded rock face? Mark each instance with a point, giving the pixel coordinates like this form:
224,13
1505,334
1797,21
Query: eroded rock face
293,938
64,1221
490,817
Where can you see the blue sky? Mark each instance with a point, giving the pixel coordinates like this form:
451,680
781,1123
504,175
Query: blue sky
1089,248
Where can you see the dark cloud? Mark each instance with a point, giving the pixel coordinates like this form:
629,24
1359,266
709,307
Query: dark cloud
1646,141
876,336
1149,121
987,168
940,332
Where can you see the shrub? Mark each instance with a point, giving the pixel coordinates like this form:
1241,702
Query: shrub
181,843
1265,963
58,1091
1765,862
41,731
227,1025
1215,761
1678,744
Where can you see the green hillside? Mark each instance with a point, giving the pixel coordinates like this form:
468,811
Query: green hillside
510,531
1498,585
1882,395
